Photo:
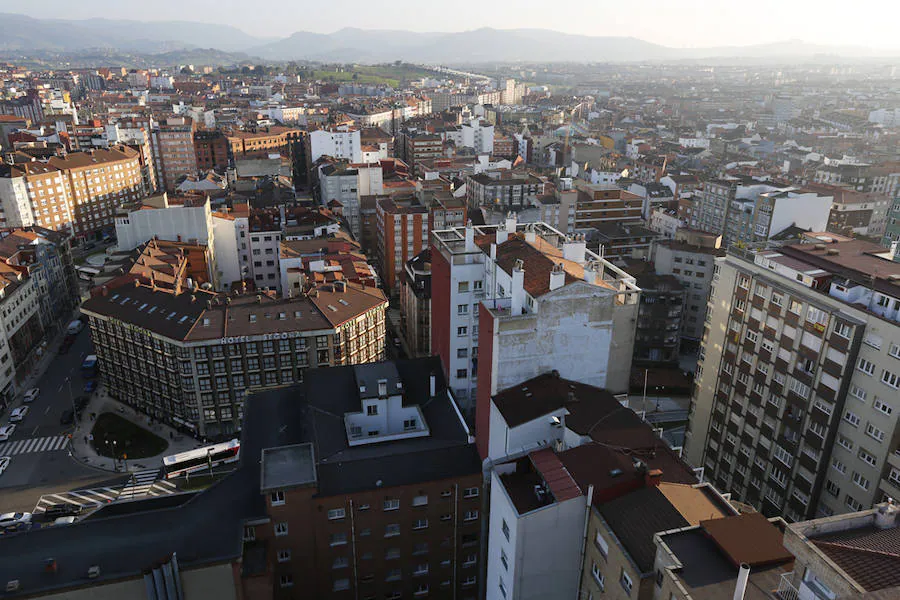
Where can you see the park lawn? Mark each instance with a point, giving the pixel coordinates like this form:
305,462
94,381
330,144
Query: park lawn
132,440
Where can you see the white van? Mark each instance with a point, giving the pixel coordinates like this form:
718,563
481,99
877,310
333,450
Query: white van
74,327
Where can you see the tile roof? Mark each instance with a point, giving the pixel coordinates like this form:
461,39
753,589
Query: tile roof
555,474
748,538
871,556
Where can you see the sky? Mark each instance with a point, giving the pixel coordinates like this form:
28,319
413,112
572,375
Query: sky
686,23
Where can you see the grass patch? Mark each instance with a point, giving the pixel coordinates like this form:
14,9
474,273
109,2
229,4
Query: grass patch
130,439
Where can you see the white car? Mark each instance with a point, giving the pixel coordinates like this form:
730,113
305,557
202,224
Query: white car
4,462
6,431
64,521
18,414
31,394
14,519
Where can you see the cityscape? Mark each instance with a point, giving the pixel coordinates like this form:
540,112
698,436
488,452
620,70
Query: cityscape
337,306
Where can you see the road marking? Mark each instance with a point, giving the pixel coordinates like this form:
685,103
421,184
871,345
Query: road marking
47,410
77,495
64,499
30,445
60,388
104,496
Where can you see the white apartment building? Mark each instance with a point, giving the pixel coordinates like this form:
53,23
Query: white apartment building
338,143
265,252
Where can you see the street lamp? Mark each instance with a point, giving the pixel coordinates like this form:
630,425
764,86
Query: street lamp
72,400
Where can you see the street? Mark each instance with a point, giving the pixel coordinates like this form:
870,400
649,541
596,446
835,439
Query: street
39,447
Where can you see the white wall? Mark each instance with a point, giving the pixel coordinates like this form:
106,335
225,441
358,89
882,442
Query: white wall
166,223
808,211
14,202
339,144
228,258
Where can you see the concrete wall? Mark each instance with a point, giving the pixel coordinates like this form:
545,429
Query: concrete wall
228,258
166,223
14,201
611,566
809,211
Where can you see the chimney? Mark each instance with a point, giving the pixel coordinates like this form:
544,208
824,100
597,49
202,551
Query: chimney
557,276
470,236
510,222
574,248
502,236
740,588
886,514
592,273
652,477
530,234
518,288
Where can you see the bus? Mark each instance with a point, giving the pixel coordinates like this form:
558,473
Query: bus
199,459
89,366
86,273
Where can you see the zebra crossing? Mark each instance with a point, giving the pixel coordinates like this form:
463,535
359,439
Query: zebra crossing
42,444
142,483
84,498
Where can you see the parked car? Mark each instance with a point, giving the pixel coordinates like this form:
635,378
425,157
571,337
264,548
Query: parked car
6,431
4,463
14,519
31,394
67,418
18,414
74,327
89,386
62,510
64,521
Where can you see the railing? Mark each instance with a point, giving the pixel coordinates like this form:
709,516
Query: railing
786,589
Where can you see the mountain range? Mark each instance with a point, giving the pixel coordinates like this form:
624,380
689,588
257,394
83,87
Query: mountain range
24,35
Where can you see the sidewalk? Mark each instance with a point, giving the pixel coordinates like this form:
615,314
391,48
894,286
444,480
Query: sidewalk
81,449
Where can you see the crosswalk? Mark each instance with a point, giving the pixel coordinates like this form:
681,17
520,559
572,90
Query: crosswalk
84,498
141,486
42,444
142,483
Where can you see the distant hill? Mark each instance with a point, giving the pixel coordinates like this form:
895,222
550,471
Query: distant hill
24,35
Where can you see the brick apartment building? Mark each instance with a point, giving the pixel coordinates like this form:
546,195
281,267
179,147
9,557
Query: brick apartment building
174,142
402,230
211,148
387,503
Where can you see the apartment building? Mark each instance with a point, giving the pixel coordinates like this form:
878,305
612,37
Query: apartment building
21,327
211,148
511,300
845,556
892,224
402,229
598,204
415,303
418,146
176,154
579,485
793,410
35,193
276,139
342,143
657,334
503,190
690,258
346,183
390,506
186,356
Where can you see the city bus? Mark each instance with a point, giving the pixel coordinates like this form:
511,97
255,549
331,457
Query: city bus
200,459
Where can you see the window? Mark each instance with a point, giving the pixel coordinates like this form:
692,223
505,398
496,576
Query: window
832,488
844,442
894,350
868,458
471,492
340,562
816,316
504,560
838,466
462,373
752,336
796,307
372,410
392,504
471,515
420,501
338,539
505,529
626,582
462,309
599,578
866,367
336,513
284,555
462,331
462,287
394,575
421,548
392,530
861,481
874,433
281,529
882,406
858,393
777,299
462,353
409,424
421,570
341,584
502,588
851,418
420,524
277,498
601,544
842,329
852,504
287,580
392,554
890,379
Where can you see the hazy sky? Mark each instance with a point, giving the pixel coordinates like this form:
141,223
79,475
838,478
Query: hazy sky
672,23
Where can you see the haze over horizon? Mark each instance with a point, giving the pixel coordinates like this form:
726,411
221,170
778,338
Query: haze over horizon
689,24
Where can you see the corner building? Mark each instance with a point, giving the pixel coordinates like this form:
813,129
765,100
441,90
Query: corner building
187,358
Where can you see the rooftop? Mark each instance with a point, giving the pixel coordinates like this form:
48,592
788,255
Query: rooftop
288,466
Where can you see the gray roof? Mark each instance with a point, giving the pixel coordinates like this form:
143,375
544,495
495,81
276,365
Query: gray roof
287,466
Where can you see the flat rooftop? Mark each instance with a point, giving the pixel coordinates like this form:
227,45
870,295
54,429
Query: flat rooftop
287,466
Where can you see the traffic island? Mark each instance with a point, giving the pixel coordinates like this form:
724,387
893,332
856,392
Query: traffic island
118,438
